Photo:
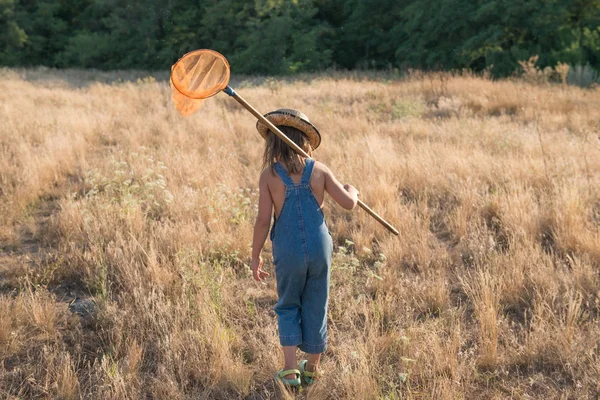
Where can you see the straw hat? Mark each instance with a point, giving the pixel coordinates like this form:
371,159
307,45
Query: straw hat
293,118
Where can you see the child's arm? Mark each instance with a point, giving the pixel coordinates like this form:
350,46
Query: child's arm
346,195
261,227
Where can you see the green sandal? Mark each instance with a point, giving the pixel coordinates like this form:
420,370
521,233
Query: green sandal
296,382
309,377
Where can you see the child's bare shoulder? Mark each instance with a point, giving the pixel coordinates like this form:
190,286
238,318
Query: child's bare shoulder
321,168
266,175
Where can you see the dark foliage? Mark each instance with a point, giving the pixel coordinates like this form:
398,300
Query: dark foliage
289,36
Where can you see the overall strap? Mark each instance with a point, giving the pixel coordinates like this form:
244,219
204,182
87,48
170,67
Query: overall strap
308,167
283,174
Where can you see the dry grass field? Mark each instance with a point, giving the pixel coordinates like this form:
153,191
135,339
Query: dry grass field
111,200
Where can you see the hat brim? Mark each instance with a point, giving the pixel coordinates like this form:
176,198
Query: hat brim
281,118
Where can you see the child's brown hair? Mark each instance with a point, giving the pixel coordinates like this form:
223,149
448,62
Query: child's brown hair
277,150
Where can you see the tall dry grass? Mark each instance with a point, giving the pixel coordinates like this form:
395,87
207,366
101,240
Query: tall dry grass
492,289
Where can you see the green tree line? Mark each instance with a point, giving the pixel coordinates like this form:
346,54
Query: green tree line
288,36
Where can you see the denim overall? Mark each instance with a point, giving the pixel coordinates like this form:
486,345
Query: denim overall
302,248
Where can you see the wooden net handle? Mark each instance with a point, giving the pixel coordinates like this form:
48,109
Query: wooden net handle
299,150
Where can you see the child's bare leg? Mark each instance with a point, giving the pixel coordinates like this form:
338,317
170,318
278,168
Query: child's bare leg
312,363
289,355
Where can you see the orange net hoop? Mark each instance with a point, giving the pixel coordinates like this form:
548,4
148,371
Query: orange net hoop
197,75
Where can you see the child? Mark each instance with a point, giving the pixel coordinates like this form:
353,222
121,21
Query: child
295,186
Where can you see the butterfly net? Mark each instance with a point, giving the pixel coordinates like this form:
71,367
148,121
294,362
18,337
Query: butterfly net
196,76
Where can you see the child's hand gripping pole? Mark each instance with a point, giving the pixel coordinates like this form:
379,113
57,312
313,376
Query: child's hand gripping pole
299,150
